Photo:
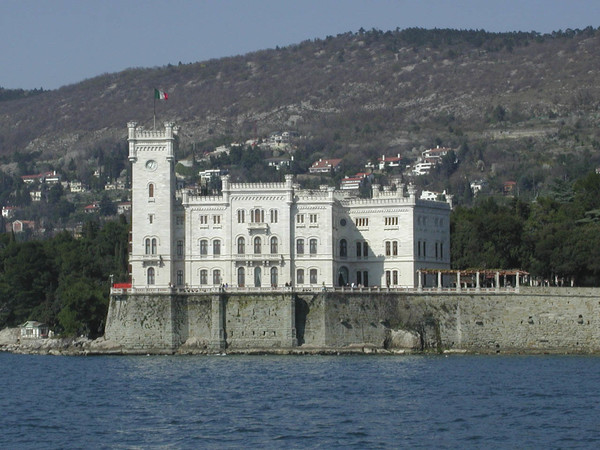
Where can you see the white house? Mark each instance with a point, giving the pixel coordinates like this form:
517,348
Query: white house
264,235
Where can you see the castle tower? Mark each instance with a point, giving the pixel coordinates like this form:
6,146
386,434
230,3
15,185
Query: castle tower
152,156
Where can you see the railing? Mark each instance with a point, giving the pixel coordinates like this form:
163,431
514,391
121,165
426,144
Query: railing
310,289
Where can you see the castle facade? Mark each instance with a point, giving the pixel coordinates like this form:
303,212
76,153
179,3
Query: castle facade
271,235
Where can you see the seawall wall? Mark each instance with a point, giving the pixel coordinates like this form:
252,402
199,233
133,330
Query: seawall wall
534,320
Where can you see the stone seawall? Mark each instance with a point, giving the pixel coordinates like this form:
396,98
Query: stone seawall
534,320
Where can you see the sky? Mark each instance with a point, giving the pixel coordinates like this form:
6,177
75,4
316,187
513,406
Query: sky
53,43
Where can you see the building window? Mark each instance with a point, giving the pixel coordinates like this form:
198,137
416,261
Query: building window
419,249
241,216
359,277
257,216
204,247
216,220
366,249
151,190
150,218
312,246
179,277
424,249
180,248
365,280
154,246
300,247
388,221
388,248
257,246
388,278
203,219
313,276
313,218
147,246
257,277
300,276
362,221
150,275
395,277
216,277
441,250
274,245
216,247
179,220
274,277
343,248
358,249
241,246
300,218
436,250
241,277
204,276
273,216
395,248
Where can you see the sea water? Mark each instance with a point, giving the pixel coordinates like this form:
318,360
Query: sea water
453,401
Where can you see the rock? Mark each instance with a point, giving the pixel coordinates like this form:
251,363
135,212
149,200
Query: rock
404,339
9,336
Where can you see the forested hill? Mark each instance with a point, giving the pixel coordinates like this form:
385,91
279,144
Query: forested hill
520,106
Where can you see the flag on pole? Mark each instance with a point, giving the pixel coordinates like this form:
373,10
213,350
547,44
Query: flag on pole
160,95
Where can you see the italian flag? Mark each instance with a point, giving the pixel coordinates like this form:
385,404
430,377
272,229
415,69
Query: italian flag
160,95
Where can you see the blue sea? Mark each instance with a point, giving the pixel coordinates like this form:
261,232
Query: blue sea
454,401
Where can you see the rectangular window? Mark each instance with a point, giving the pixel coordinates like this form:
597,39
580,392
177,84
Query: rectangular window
359,277
300,218
241,215
179,248
362,221
300,276
300,247
441,250
274,216
365,249
313,276
313,218
216,220
358,249
203,219
179,220
365,278
150,218
179,277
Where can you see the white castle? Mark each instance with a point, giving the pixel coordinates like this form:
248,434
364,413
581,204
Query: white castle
273,235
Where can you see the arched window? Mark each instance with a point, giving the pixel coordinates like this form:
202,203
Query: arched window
300,246
257,215
388,248
204,276
313,276
241,277
343,248
204,247
147,246
154,246
241,246
216,277
343,276
257,245
274,277
312,246
395,248
257,277
274,245
216,247
151,190
300,276
150,276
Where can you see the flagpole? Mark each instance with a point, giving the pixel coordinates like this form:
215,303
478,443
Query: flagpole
154,115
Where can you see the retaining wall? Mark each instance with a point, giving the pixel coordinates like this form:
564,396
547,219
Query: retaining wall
536,319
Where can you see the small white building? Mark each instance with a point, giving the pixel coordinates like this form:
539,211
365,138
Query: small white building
34,330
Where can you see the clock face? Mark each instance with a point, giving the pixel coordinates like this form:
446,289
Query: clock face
151,164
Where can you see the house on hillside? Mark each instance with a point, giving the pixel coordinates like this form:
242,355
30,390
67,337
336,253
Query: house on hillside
509,188
19,226
389,161
279,163
326,166
8,212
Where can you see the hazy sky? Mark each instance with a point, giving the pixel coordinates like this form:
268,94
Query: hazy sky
52,43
